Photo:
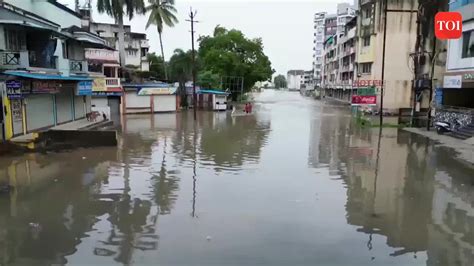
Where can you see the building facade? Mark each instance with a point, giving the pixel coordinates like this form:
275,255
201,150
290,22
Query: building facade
294,79
319,37
44,73
136,44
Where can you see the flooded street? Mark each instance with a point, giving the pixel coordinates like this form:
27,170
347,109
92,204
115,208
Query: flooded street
295,184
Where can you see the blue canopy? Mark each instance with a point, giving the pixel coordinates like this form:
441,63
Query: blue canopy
45,76
207,91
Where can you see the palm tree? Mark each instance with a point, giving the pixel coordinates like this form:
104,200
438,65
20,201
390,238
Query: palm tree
117,9
162,12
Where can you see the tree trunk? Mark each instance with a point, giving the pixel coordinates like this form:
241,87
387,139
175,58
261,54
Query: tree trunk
163,56
121,42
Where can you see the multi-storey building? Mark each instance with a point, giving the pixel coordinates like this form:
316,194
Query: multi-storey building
136,44
399,43
319,37
45,76
294,79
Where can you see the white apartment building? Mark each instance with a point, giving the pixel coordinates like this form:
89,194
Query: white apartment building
294,79
319,37
136,44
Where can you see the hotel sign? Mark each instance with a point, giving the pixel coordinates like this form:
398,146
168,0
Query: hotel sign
99,85
367,83
49,86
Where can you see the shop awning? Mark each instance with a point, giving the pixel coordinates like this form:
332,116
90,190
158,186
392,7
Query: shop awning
45,76
216,92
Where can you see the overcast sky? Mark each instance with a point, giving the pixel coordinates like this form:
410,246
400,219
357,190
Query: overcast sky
286,27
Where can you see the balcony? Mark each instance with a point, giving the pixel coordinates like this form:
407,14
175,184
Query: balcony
38,60
112,82
77,66
13,60
144,44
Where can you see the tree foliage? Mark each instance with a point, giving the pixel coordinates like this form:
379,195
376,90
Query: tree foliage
157,70
162,12
118,9
279,81
230,53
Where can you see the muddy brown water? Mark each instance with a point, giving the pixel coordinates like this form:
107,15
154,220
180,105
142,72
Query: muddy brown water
295,184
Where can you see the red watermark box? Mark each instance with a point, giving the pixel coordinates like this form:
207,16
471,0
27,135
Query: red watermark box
448,25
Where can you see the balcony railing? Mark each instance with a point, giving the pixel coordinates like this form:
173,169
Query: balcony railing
112,82
77,65
12,60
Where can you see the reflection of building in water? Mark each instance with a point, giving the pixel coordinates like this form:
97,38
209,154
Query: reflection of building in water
314,139
49,203
223,142
411,199
453,221
335,127
391,201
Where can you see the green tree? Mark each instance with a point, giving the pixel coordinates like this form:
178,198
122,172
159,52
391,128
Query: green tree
279,81
157,69
228,53
180,67
208,79
118,9
162,12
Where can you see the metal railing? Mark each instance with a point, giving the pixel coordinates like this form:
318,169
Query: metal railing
112,82
76,65
10,58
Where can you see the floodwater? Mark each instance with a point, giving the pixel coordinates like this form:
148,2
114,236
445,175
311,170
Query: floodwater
295,184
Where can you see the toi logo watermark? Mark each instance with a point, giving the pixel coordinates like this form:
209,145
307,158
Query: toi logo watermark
448,25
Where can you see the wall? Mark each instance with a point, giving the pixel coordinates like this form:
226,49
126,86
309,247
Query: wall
48,11
455,62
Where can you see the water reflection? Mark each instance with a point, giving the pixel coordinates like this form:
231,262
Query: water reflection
414,194
251,184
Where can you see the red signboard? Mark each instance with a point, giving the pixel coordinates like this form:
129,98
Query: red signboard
367,83
364,99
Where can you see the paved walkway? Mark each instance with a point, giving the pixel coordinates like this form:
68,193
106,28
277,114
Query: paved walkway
464,148
74,125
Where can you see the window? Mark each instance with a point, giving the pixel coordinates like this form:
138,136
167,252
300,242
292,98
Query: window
366,13
468,44
13,40
366,41
132,52
366,68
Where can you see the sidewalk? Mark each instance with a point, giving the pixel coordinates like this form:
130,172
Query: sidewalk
464,148
74,125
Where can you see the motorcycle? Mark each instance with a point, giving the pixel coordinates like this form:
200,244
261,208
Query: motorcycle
444,127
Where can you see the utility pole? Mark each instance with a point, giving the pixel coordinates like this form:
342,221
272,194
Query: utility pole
192,15
383,62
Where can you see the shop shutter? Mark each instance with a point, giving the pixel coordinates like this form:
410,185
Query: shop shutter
164,103
135,101
39,111
79,111
64,105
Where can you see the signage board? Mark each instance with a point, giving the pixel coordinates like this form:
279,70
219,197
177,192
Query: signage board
157,91
14,89
84,88
45,86
367,83
99,85
101,55
364,99
106,93
366,91
452,82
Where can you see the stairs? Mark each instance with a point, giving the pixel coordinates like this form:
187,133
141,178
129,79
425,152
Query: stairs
463,132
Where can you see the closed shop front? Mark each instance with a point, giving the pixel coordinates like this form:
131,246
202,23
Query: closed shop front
164,103
136,103
64,105
79,110
39,111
